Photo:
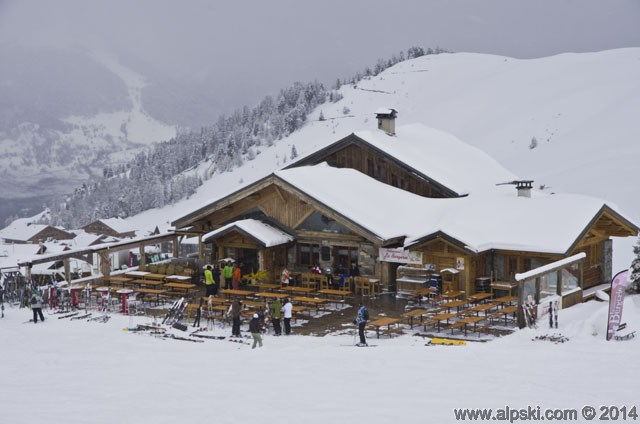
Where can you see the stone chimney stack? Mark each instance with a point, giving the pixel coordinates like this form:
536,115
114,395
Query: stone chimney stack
524,188
387,120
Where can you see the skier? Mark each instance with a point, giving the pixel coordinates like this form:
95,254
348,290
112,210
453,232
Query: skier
36,306
285,277
287,312
216,279
254,329
208,281
236,277
234,312
361,320
276,310
228,275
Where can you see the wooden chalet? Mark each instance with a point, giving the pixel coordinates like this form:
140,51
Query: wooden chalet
19,233
344,204
114,227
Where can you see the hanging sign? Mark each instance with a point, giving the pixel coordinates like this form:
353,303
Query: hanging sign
400,255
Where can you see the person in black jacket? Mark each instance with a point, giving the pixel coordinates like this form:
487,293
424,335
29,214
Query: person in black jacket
254,329
216,278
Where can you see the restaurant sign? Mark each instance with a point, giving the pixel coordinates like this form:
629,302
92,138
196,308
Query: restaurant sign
400,255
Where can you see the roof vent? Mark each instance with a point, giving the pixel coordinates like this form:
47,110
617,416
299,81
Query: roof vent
387,120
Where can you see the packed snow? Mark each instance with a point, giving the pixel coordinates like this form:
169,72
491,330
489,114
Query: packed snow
81,372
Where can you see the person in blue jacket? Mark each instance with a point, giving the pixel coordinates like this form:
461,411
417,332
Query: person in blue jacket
361,320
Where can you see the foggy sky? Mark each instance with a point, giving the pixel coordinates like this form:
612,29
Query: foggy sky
256,47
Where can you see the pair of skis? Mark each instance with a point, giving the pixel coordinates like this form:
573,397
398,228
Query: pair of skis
553,314
175,311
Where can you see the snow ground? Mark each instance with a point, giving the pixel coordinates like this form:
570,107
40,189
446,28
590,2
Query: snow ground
63,371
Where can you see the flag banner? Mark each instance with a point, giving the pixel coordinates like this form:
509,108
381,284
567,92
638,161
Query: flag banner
616,301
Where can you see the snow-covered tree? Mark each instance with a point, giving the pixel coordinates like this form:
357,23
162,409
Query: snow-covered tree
294,152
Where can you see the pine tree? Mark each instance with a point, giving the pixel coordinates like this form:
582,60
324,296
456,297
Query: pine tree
294,152
634,276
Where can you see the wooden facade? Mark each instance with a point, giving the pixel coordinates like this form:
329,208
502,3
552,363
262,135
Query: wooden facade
499,265
99,227
353,152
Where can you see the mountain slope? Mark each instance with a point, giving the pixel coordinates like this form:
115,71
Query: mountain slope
64,115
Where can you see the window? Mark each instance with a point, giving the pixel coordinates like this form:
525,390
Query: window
326,254
308,254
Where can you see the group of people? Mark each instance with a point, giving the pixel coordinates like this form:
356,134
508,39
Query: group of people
212,277
277,310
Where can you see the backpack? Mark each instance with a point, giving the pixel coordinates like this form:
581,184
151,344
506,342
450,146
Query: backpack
365,314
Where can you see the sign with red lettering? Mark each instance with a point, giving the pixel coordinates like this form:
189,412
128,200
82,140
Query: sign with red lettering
400,255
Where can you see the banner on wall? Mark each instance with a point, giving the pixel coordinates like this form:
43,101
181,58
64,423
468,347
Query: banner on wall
400,255
616,301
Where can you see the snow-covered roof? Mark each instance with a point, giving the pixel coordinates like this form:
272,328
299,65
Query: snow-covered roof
496,219
440,156
385,111
265,233
21,230
11,254
117,224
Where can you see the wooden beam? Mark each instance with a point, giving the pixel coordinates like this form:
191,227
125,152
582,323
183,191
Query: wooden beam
279,193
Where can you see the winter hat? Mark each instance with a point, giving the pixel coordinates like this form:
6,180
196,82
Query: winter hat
255,315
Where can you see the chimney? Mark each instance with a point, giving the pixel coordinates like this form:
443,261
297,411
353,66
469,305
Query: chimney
524,188
387,120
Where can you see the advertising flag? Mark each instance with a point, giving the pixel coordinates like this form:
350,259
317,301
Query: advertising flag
616,300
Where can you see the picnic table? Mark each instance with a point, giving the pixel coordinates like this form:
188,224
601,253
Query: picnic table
180,287
454,304
214,300
451,295
157,292
266,286
333,292
136,274
414,314
442,317
479,297
505,300
152,276
233,292
382,322
118,279
178,278
314,301
469,320
149,283
271,295
303,290
486,307
504,311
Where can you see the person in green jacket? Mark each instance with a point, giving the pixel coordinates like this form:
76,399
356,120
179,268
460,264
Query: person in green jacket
275,312
228,275
209,282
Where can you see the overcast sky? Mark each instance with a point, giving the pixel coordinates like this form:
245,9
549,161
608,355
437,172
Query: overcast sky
265,45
